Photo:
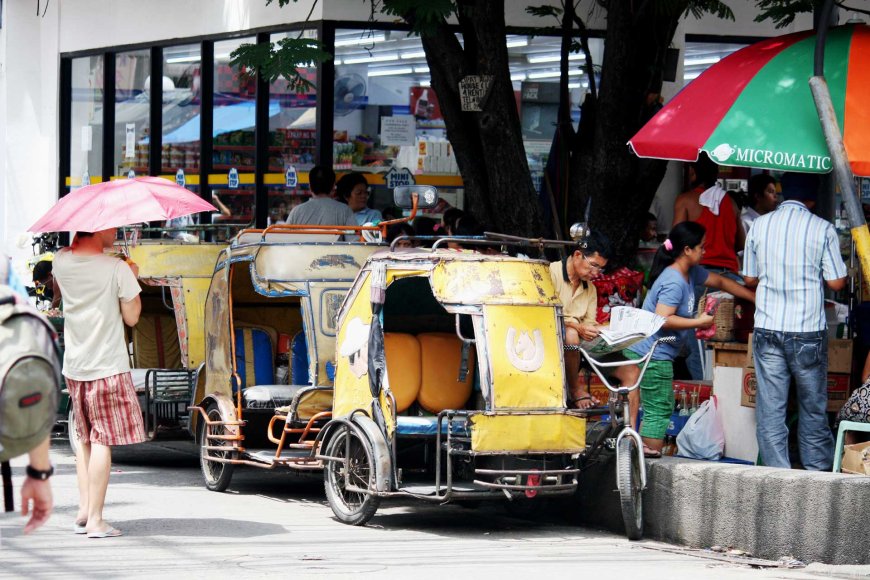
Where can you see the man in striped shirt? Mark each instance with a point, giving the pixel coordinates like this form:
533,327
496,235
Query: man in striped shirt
789,254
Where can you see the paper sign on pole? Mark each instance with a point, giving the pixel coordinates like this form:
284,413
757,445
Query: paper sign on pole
87,138
398,130
473,91
131,141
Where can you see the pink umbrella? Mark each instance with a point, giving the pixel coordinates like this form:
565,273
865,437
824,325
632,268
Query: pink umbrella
122,202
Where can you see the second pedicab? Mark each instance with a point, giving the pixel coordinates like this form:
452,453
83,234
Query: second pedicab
270,328
450,387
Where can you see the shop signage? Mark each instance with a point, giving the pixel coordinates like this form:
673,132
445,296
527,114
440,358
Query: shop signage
290,179
398,130
131,174
865,189
473,91
398,177
233,179
86,178
179,178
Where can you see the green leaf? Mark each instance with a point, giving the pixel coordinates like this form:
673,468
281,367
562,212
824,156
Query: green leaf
698,8
783,12
544,11
281,59
424,15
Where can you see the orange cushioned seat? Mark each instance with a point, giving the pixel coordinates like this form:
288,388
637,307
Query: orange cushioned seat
402,352
441,388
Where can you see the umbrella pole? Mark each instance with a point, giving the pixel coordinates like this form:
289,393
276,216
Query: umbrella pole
834,139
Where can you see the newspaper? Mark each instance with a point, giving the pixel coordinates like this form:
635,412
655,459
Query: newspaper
627,326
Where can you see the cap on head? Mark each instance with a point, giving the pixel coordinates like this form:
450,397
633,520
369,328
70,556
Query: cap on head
800,186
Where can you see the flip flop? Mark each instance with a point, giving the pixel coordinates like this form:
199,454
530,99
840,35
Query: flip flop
110,533
79,528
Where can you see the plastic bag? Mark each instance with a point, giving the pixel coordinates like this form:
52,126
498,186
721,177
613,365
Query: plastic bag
711,305
703,437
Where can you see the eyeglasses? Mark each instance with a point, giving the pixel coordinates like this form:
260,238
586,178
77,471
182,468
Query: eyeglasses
595,267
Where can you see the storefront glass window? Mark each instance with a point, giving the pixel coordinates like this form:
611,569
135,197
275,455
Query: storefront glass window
292,134
699,56
132,112
233,159
387,116
86,126
182,105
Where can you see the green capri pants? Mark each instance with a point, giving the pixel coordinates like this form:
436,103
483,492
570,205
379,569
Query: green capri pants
656,396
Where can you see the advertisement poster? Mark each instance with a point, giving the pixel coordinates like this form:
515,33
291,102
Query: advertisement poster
425,108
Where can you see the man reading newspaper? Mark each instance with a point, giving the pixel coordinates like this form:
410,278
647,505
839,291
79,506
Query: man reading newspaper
571,277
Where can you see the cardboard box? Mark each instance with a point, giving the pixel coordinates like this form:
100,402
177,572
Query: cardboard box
839,355
728,354
856,459
838,390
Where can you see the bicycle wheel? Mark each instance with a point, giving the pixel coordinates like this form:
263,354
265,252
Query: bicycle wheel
630,491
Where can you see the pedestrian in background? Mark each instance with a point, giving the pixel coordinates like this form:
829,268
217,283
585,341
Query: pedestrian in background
353,189
100,294
762,199
789,253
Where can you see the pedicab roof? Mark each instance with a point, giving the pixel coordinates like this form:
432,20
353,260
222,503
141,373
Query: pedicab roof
471,278
282,264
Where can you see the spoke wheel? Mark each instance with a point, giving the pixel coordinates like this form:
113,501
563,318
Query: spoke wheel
356,468
217,475
71,431
630,492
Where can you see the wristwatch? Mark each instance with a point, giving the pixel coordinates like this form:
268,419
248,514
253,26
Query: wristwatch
39,474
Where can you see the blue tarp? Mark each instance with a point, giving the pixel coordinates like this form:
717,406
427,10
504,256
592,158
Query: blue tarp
226,119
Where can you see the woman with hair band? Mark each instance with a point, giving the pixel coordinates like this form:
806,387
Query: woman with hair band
676,270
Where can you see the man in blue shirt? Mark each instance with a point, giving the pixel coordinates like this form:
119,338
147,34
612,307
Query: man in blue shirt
789,254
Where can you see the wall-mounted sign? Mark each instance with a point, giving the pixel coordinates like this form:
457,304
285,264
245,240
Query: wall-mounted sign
398,130
290,178
398,177
179,178
473,91
130,149
233,179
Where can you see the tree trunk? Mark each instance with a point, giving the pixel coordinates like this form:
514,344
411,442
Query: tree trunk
621,185
488,145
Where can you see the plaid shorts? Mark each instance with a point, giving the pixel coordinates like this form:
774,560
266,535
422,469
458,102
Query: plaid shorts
107,410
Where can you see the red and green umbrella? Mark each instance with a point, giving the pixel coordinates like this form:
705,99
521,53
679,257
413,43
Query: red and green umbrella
754,108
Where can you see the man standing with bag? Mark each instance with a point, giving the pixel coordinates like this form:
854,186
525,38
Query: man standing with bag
100,294
789,254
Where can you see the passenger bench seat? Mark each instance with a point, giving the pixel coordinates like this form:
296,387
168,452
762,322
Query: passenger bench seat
441,356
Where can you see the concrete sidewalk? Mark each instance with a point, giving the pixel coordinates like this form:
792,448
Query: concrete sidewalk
769,513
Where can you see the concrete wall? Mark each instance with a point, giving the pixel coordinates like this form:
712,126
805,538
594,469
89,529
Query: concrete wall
28,120
770,513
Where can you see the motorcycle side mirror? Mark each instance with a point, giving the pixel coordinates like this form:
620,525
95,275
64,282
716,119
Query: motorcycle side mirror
579,231
427,196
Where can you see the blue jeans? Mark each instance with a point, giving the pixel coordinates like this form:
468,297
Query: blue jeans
779,357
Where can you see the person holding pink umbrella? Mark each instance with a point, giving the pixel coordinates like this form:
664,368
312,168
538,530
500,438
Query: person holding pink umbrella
101,294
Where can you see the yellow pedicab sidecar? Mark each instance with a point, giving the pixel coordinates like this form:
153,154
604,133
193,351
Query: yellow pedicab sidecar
484,415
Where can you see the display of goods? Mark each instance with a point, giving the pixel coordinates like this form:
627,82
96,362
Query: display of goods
619,288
